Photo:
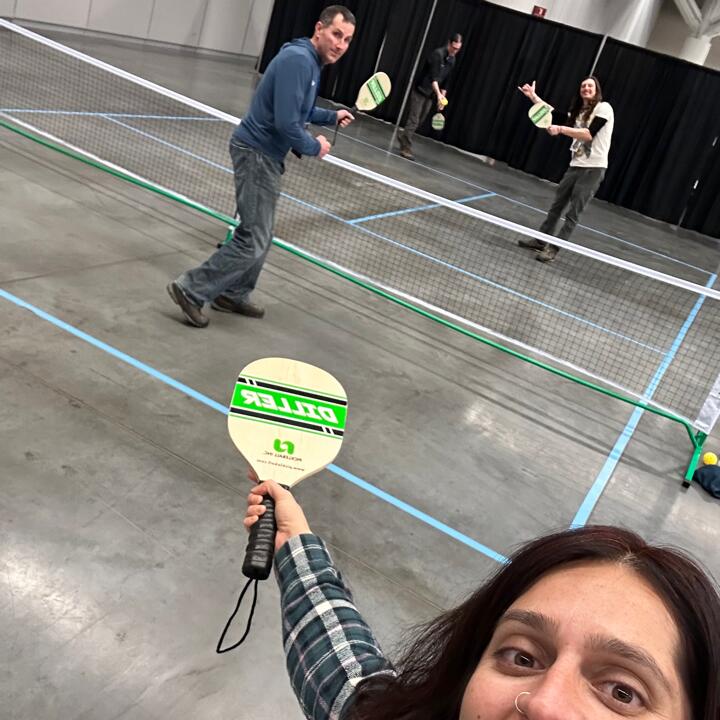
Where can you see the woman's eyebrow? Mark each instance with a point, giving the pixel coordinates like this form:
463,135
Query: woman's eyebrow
537,621
633,653
601,643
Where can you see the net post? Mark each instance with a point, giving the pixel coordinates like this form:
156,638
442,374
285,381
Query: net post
698,440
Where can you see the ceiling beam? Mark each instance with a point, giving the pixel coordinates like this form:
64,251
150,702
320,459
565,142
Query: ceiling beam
710,17
691,14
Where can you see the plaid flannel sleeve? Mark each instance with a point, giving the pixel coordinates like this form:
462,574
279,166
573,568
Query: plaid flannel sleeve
329,648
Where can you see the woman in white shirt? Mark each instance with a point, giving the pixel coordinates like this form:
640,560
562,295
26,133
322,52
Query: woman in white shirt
590,125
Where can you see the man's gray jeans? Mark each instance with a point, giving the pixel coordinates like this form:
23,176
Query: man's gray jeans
234,268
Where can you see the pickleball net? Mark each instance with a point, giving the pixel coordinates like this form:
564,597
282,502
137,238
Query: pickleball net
643,334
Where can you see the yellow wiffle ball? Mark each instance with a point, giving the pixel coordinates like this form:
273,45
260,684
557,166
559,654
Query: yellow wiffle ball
710,458
444,101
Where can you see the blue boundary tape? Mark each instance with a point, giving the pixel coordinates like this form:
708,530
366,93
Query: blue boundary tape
195,395
608,468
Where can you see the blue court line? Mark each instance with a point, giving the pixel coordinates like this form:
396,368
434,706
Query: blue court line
530,207
195,395
170,145
615,237
409,249
479,278
601,481
420,515
74,113
417,209
488,193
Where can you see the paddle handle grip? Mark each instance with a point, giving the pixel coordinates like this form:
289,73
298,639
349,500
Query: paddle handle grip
260,549
353,110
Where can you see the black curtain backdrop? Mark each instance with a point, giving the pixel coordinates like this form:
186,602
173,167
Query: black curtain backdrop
666,117
289,19
402,22
405,29
664,161
503,48
703,211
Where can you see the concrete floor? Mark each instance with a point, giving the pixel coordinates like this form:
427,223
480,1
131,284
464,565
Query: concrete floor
122,496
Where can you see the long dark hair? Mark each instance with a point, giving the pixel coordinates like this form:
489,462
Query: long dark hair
437,665
577,104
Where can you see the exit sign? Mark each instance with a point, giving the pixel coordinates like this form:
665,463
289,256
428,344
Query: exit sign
539,10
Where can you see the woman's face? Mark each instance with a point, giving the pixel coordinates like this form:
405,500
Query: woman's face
587,642
588,90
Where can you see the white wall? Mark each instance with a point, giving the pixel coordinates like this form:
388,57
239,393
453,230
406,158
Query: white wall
236,26
131,17
7,8
178,22
628,20
61,12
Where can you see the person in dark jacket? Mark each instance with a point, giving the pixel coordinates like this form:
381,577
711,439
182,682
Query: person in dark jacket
275,123
430,91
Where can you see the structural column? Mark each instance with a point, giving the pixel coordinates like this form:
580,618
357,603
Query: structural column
696,49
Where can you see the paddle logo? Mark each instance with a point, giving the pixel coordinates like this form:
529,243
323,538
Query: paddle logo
289,407
284,446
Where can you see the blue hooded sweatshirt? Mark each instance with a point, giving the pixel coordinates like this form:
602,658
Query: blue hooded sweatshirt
283,102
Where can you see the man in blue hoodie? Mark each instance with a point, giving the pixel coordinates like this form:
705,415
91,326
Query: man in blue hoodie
282,105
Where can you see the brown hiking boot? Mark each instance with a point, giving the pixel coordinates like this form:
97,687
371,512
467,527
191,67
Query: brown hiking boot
548,254
225,304
193,314
532,244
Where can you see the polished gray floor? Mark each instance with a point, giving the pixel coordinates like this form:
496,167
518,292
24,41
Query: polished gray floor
122,497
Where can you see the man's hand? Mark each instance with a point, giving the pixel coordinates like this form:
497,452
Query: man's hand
555,130
344,118
324,146
289,516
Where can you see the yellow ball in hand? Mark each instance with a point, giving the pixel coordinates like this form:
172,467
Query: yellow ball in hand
710,458
444,101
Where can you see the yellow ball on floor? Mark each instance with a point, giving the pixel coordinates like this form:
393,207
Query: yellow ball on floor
710,458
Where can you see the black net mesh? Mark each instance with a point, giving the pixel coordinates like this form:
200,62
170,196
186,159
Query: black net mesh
628,329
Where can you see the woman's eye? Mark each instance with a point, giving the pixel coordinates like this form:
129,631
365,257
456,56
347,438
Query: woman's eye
624,695
518,658
523,659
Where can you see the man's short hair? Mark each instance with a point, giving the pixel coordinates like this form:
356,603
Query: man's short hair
455,37
332,11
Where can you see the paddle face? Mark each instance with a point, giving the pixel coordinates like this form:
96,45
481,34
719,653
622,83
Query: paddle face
540,114
287,418
437,121
373,92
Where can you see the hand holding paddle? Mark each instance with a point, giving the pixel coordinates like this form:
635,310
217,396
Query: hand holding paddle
289,517
287,418
540,113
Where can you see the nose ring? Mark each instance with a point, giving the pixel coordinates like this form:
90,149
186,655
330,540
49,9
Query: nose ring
517,706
